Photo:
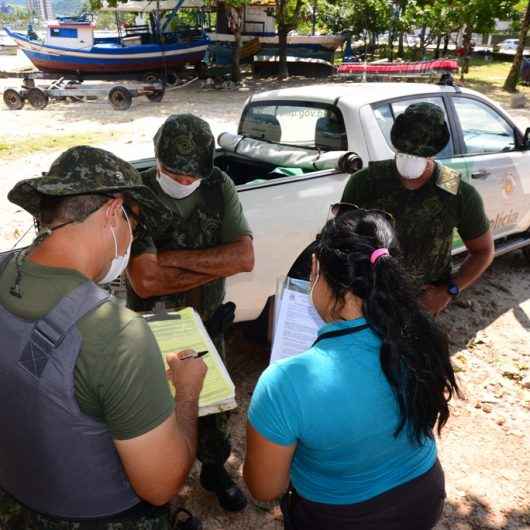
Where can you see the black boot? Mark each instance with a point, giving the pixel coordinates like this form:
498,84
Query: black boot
217,480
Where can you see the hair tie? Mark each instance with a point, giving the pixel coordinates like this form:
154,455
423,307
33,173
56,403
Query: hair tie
378,253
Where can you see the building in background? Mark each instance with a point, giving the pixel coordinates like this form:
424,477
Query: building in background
41,8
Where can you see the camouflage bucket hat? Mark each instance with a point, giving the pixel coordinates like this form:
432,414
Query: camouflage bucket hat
87,170
420,131
185,144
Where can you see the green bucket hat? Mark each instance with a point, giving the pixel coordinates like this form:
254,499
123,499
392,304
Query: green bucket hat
420,131
85,170
185,144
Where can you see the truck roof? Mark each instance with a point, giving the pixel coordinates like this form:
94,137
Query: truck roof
354,94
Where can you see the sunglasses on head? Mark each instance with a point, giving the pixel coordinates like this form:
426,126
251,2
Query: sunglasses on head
340,208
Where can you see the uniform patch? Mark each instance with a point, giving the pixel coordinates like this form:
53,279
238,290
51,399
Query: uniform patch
448,179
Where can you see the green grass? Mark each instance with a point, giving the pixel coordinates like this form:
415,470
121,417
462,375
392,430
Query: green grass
488,78
17,148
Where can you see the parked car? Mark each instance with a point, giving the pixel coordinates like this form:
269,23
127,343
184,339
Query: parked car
508,44
286,200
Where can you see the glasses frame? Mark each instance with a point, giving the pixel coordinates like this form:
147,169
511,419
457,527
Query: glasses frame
350,206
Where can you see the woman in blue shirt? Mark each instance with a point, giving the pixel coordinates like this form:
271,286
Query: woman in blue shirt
347,426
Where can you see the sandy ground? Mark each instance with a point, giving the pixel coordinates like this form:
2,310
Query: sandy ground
485,448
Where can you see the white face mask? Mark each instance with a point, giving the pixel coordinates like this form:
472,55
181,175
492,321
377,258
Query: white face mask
119,263
410,167
175,189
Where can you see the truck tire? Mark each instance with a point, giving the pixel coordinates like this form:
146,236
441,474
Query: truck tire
13,100
37,98
120,98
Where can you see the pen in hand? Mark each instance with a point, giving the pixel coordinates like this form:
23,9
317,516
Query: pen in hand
191,354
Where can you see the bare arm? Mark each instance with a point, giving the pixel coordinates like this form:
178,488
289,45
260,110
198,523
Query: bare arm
481,252
220,261
435,298
157,463
267,466
148,278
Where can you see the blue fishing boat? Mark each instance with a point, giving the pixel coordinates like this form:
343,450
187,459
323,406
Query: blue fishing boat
71,47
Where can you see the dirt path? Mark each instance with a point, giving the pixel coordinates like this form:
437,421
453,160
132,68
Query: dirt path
485,449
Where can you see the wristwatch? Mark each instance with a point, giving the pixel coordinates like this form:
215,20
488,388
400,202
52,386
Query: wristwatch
453,289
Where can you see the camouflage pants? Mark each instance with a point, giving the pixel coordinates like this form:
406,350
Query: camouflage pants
13,516
214,440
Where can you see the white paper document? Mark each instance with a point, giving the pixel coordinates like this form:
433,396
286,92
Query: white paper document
297,322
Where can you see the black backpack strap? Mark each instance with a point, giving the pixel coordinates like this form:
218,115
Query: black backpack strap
48,332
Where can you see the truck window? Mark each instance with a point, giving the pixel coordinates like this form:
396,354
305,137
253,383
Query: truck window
386,113
314,127
484,130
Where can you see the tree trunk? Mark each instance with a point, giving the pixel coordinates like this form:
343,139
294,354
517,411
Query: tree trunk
438,44
236,58
283,70
401,48
221,23
314,18
511,81
235,21
422,41
467,50
446,44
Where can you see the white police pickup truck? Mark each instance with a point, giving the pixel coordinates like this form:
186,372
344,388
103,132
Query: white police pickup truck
290,161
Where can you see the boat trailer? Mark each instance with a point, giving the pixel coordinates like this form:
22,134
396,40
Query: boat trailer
73,90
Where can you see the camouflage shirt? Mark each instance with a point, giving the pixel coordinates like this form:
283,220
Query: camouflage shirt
215,218
425,218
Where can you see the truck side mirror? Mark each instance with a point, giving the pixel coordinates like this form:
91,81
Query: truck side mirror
525,138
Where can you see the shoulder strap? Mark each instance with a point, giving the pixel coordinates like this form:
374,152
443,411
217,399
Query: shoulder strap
48,332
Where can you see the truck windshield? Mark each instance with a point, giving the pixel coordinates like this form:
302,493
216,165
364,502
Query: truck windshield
297,124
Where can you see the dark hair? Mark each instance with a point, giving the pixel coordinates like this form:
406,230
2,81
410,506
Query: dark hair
415,352
70,208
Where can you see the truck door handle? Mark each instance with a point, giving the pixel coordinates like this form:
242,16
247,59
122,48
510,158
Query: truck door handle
482,174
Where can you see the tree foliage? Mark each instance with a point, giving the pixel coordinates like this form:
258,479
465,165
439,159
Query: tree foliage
18,18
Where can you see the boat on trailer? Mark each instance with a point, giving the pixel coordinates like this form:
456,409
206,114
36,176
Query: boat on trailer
259,25
71,47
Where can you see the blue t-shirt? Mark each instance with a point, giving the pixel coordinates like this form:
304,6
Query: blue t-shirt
336,404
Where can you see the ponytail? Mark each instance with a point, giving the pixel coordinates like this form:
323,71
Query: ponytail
414,353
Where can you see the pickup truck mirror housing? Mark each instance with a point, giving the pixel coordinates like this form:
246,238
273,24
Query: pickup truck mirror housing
350,163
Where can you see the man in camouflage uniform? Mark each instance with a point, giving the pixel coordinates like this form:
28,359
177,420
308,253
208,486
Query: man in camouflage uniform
93,440
428,201
185,262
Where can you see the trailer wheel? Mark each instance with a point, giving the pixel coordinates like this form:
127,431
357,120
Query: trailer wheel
120,98
37,98
151,77
172,78
156,96
13,100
